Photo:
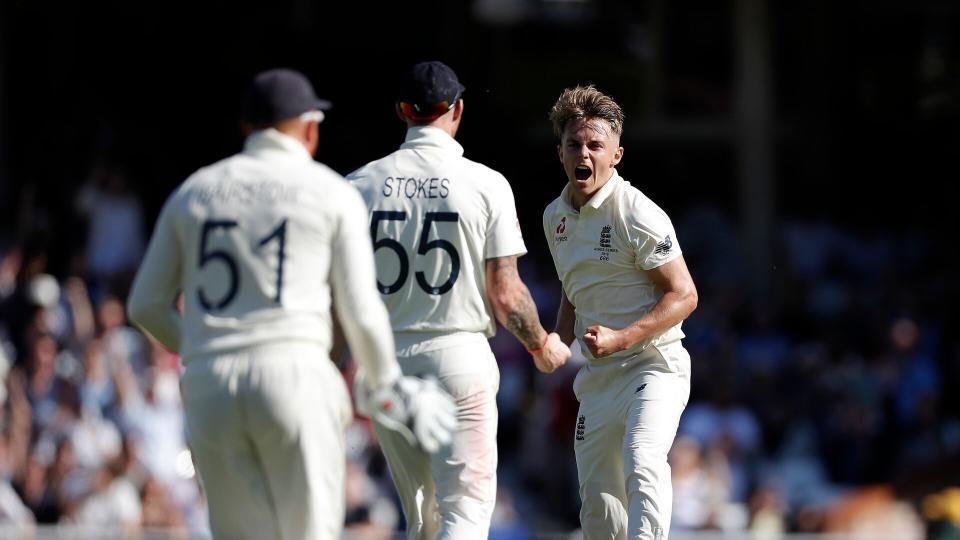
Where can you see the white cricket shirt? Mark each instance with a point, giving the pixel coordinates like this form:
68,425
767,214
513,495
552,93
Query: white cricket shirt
255,242
601,253
435,217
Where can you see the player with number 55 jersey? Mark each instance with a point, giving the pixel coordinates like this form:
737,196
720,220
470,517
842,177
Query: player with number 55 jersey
446,241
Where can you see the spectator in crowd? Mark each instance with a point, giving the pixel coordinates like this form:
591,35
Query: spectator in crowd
12,508
115,235
111,503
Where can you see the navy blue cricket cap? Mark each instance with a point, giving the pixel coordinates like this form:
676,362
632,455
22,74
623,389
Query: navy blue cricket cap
428,90
280,94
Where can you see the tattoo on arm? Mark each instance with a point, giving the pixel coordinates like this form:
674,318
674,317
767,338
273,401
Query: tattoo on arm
519,312
523,322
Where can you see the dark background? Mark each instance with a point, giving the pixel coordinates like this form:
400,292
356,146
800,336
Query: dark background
861,116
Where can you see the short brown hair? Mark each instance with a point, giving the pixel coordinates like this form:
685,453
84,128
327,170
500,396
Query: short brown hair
585,102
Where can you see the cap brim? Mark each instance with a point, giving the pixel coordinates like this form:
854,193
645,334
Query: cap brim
323,105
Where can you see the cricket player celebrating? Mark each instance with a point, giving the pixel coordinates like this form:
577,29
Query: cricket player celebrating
446,241
626,290
255,243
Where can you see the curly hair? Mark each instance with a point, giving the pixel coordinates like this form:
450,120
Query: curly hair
585,102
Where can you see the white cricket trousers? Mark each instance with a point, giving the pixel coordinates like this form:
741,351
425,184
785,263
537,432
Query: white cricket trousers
629,413
450,495
267,433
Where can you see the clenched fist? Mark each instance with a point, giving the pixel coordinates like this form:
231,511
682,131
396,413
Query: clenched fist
603,341
554,354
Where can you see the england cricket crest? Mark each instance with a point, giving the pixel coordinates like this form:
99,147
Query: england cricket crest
606,247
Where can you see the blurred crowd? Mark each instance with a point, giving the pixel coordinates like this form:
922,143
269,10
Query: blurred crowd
819,401
92,426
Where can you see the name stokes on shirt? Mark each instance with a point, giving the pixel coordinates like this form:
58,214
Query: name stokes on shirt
416,188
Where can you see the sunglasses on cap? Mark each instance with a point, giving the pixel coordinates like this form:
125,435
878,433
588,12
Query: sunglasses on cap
426,112
312,116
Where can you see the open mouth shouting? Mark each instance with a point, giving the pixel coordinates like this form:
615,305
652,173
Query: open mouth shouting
582,172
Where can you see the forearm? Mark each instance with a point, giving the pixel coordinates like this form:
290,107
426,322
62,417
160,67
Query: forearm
367,331
518,314
81,311
151,306
512,304
671,309
566,320
160,320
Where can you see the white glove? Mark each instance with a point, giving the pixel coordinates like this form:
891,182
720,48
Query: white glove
419,410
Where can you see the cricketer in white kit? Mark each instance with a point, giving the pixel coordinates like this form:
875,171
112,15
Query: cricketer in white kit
446,239
257,244
626,290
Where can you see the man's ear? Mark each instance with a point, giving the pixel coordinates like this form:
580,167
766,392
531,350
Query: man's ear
618,155
312,137
458,109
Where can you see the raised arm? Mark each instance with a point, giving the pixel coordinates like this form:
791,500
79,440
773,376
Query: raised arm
677,303
515,309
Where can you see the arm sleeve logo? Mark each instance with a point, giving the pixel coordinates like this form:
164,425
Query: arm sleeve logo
664,247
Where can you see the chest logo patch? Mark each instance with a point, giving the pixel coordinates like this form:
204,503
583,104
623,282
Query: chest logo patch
606,248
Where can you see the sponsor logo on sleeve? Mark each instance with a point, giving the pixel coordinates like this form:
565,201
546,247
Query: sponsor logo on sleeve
663,247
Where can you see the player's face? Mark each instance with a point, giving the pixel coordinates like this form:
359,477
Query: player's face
589,150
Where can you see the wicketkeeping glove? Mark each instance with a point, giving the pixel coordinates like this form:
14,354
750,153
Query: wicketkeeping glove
419,410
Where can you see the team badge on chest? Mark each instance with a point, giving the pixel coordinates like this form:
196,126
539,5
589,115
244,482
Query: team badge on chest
606,247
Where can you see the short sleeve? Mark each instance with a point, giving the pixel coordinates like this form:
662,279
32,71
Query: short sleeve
504,237
651,232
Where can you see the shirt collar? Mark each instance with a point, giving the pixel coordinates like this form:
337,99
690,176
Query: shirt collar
270,140
598,198
426,136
